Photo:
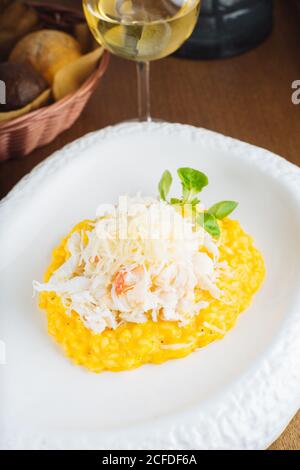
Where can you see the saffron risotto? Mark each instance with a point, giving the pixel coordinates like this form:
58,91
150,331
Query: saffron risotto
133,344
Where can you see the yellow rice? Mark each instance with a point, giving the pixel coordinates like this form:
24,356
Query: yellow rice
131,344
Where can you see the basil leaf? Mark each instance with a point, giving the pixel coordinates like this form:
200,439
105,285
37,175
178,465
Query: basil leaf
164,185
222,209
175,201
195,201
192,180
209,223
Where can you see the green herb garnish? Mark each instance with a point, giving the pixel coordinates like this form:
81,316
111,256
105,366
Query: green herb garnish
223,209
209,223
193,181
164,185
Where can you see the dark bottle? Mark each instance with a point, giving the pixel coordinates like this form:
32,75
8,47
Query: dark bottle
228,27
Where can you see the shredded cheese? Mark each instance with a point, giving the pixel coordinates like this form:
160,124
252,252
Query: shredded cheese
141,260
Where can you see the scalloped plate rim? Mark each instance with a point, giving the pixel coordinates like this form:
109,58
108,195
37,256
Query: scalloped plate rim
177,430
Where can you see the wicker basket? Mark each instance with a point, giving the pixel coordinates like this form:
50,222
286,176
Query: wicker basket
21,136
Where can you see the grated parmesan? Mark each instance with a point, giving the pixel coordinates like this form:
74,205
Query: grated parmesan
142,259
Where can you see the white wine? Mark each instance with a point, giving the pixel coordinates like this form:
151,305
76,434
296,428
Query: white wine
141,30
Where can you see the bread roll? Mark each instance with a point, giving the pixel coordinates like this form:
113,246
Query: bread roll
47,51
23,84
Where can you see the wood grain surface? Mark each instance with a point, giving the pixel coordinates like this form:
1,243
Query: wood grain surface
246,97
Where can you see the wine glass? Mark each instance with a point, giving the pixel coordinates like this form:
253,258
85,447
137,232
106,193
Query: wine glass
142,30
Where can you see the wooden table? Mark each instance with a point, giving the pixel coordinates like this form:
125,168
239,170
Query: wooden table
246,97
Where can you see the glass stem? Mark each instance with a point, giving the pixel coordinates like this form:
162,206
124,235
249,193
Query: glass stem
143,75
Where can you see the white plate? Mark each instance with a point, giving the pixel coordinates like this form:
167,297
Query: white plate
236,393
